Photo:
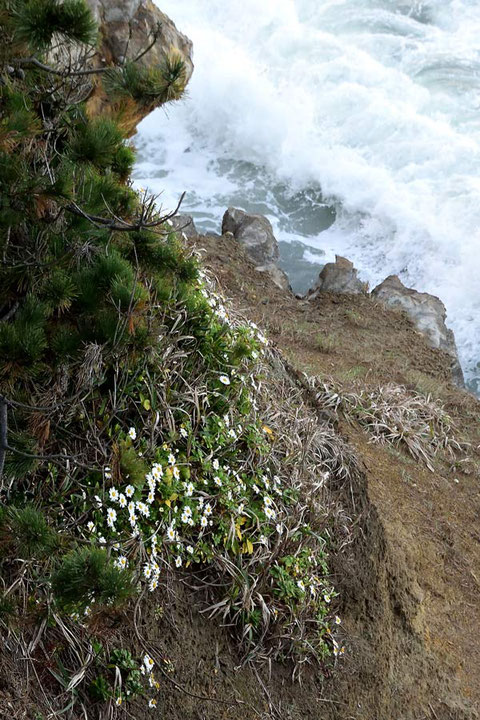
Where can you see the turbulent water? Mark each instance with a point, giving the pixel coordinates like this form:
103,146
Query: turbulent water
353,124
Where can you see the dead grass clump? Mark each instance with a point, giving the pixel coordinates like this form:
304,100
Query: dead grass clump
394,415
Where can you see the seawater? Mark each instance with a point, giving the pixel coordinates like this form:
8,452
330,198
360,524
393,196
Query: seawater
354,125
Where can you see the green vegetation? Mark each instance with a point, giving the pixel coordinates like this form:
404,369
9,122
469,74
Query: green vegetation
138,431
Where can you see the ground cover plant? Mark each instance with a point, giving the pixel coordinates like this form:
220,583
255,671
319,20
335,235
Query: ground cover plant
143,429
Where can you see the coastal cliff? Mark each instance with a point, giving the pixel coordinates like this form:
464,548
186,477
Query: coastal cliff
300,473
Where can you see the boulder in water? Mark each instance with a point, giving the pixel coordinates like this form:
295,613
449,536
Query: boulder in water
427,313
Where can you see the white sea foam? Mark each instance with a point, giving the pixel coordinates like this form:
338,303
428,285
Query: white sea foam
376,102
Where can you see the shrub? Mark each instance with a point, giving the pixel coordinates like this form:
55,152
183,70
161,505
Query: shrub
87,576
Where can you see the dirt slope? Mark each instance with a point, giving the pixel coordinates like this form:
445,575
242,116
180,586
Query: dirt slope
408,577
410,581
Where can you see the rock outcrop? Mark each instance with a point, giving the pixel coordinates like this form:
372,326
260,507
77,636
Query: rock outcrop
126,30
427,313
255,233
184,224
339,277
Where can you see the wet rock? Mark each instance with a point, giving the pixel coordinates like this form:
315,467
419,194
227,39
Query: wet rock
185,224
126,28
428,314
254,232
339,277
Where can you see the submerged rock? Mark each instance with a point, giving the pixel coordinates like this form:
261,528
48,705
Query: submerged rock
339,277
255,233
428,314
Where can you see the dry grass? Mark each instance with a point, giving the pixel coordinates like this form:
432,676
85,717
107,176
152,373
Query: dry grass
394,415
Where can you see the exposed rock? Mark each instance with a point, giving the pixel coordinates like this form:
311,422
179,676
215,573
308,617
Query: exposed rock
126,29
428,314
254,232
185,224
278,276
339,277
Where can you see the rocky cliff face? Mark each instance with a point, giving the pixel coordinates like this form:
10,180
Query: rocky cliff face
127,28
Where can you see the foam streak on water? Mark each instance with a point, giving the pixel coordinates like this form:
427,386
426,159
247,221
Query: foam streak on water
370,105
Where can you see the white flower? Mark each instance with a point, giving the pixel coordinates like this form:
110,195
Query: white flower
176,473
121,562
171,534
157,471
240,508
118,701
301,585
215,463
217,481
98,502
150,497
337,620
152,703
224,379
178,561
186,515
102,540
231,433
270,513
91,526
129,490
143,509
148,662
132,433
267,501
147,571
279,528
131,507
183,433
256,489
108,473
190,549
171,459
263,540
153,584
226,420
201,503
203,522
327,597
122,500
189,490
208,509
113,493
111,516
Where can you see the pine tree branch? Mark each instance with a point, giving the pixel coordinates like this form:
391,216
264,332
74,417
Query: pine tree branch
123,226
61,73
3,432
91,71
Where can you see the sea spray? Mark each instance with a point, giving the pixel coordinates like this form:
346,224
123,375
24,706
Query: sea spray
366,112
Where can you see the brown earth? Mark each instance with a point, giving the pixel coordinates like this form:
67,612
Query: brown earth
408,581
